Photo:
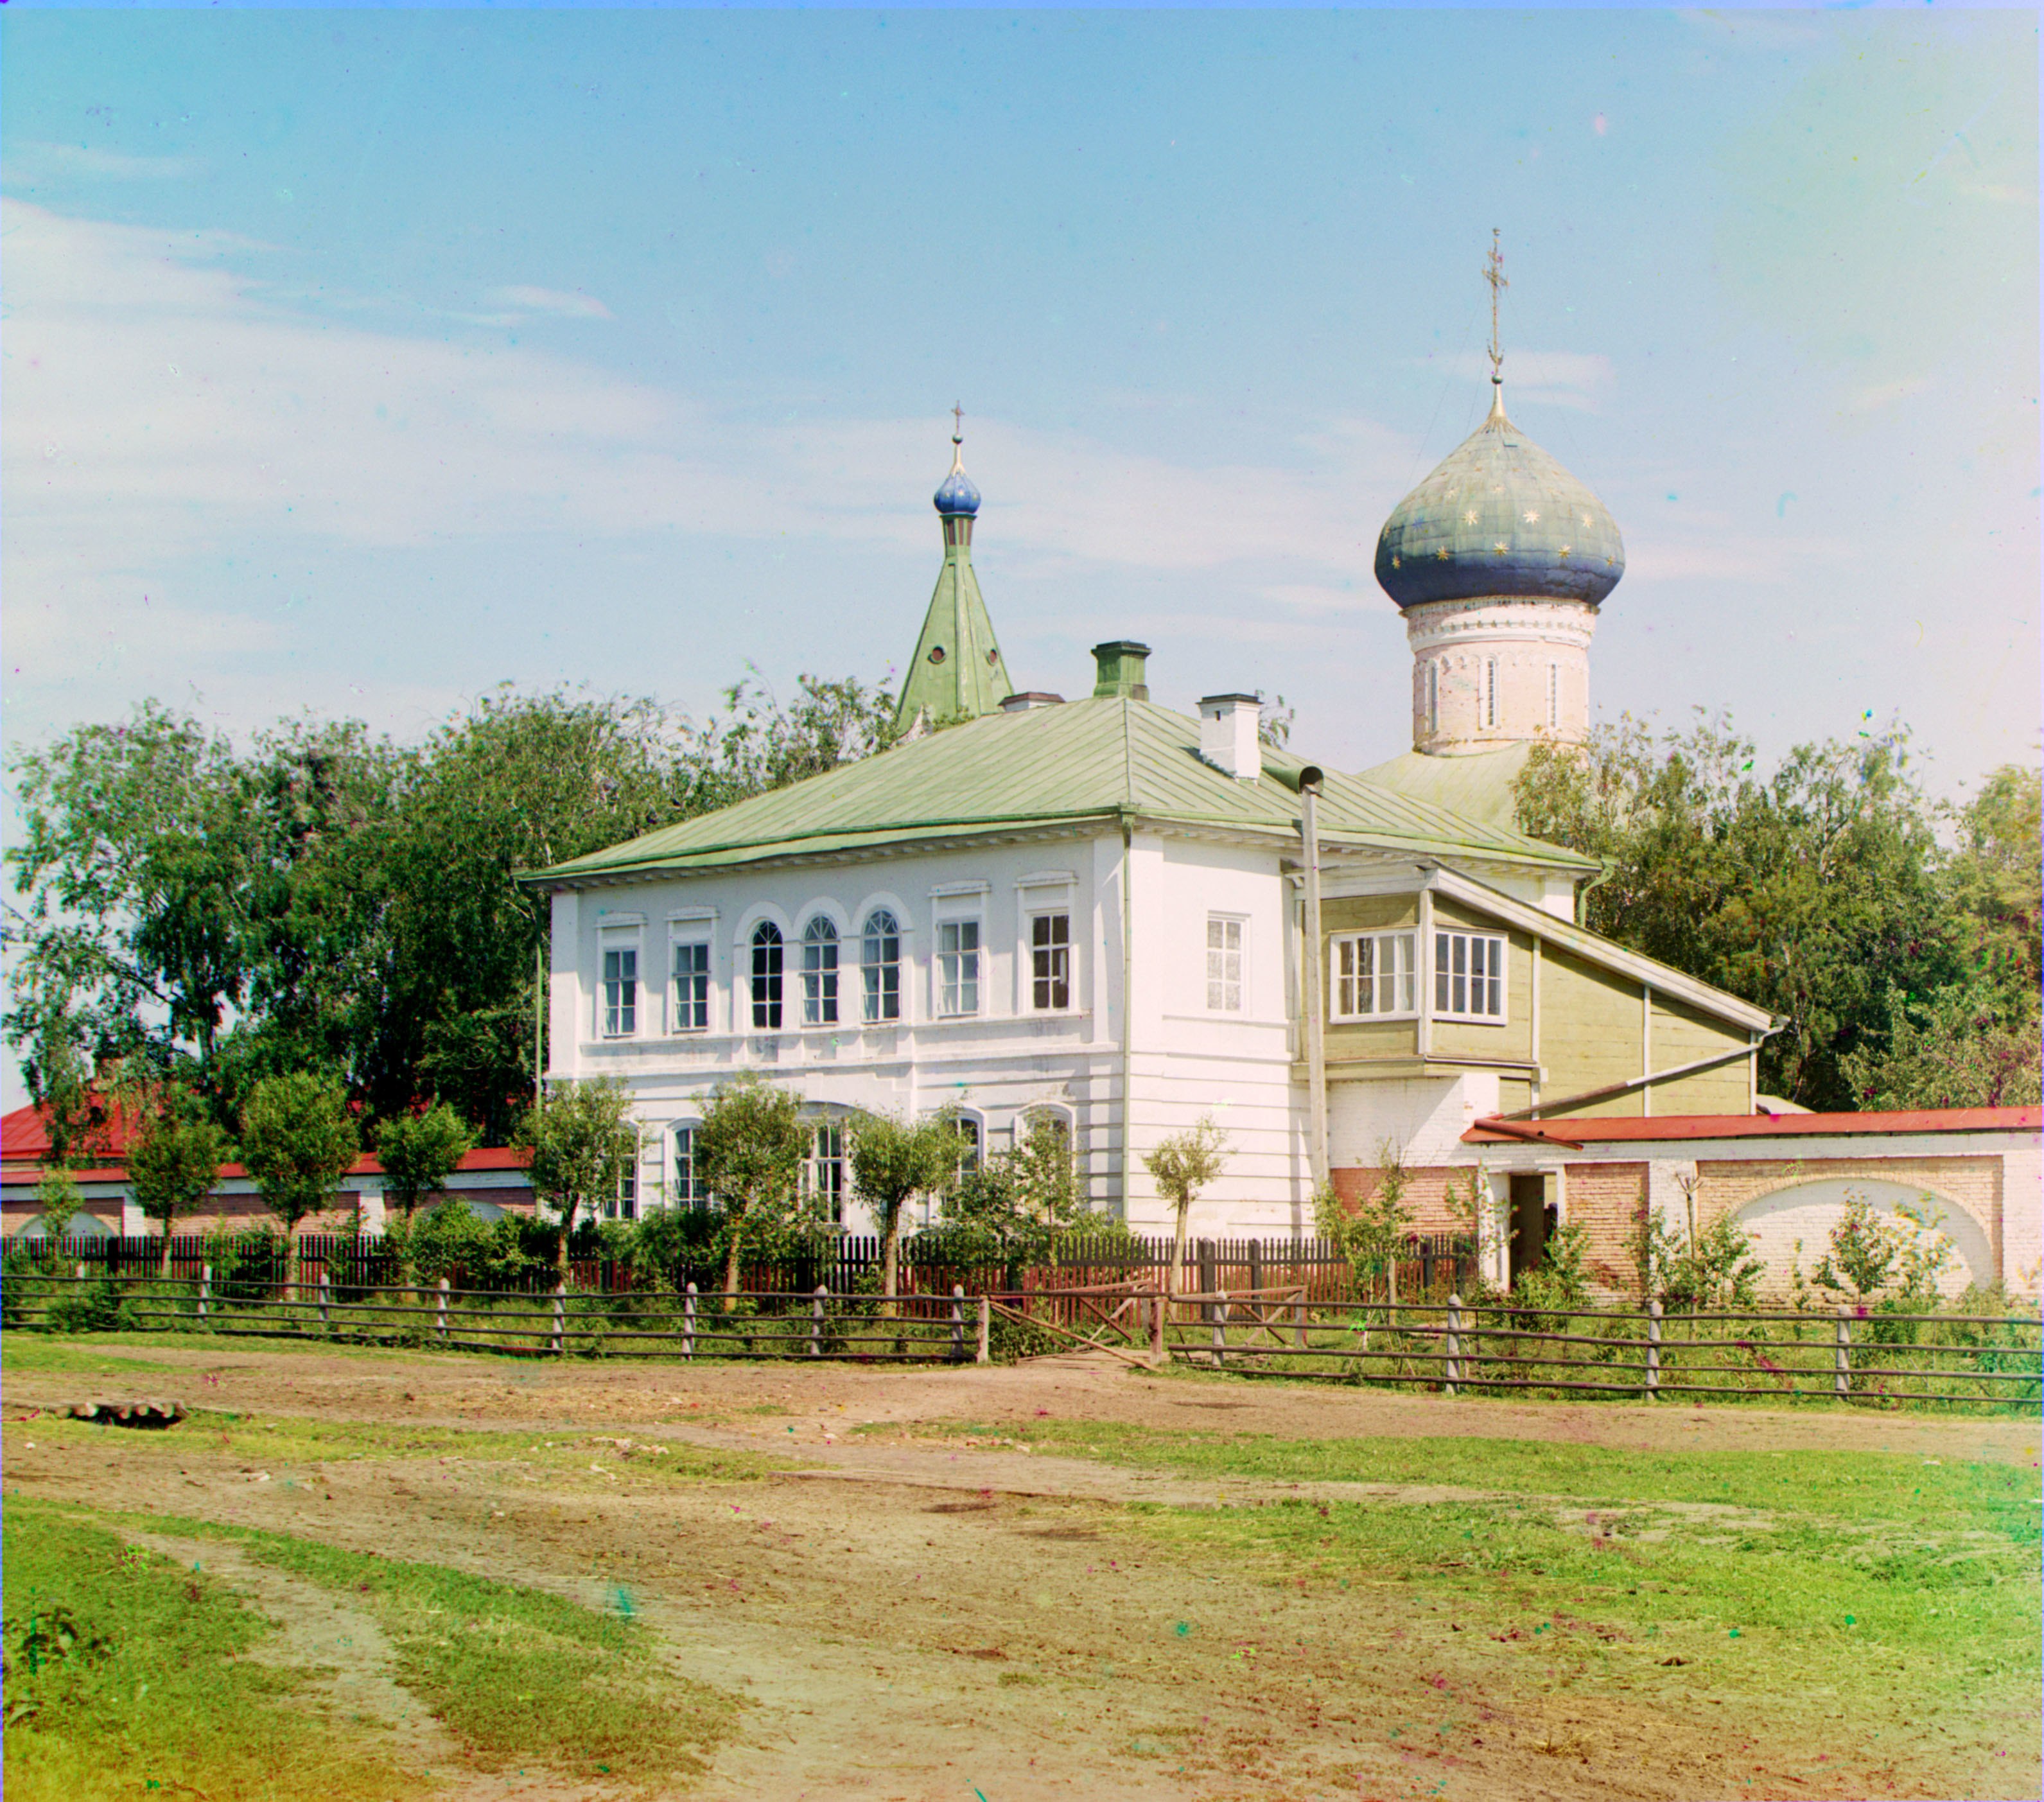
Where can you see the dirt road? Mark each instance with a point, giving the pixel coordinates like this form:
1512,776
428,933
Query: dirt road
921,1617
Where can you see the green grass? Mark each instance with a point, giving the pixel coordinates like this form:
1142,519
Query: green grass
1891,1486
520,1675
27,1344
281,1441
32,1353
1857,1575
150,1695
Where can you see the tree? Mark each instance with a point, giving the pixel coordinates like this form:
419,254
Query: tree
748,1148
173,1158
418,1152
1017,1204
1812,892
1181,1166
580,1144
1956,1048
1371,1235
298,1142
58,1201
892,1159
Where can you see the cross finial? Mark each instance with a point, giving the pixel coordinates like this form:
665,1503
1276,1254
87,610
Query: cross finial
1493,273
957,424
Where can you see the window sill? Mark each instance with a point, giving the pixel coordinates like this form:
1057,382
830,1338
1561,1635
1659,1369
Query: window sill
1468,1019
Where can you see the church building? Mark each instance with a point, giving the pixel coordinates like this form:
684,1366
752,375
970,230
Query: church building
1103,912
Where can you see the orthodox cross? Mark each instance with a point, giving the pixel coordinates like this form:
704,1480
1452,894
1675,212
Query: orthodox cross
957,424
1494,273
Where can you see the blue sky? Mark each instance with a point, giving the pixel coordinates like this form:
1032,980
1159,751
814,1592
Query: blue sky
358,361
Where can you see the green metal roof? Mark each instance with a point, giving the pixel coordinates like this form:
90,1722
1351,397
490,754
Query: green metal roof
957,669
1083,761
1477,785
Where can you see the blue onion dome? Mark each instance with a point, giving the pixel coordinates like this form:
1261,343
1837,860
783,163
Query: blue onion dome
1498,516
955,493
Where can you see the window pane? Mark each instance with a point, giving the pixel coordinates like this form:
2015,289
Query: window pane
1050,952
820,973
692,987
687,1194
767,955
880,968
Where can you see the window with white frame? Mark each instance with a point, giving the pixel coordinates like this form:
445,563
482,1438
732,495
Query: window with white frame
623,1204
958,966
767,951
822,1169
880,968
1554,695
690,1190
1469,975
1223,964
967,1128
692,986
1050,962
819,972
620,991
1372,975
1490,692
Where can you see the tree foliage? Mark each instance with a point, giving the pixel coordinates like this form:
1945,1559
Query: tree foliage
580,1144
1181,1165
749,1147
1017,1204
893,1159
174,1153
322,898
418,1152
297,1141
1832,892
1370,1235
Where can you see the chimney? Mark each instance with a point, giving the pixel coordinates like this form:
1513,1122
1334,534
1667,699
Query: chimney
1027,700
1122,664
1228,735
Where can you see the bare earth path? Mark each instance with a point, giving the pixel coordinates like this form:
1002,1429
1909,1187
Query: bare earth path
920,1618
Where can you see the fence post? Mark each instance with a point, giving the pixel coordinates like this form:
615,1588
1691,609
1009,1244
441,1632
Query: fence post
1842,1374
1299,1317
689,1322
325,1323
440,1309
560,1337
1653,1349
205,1289
1256,1263
80,1272
1158,1305
1451,1348
1219,1310
957,1322
982,1353
817,1321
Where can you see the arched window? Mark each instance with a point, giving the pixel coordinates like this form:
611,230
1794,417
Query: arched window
1490,693
880,967
1433,698
689,1190
822,1169
766,954
819,972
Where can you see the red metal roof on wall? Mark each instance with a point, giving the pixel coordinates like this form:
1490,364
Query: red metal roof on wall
1668,1127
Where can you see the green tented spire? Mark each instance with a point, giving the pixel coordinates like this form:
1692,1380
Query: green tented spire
958,672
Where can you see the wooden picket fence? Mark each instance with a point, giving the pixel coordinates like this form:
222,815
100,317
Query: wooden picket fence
1973,1362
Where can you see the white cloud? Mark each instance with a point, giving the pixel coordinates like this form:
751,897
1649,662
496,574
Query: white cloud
1563,379
159,397
34,160
558,302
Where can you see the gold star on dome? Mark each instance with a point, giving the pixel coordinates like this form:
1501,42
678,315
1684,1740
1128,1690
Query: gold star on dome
1440,556
1609,561
1468,518
1501,548
1532,516
1397,562
1586,519
1563,553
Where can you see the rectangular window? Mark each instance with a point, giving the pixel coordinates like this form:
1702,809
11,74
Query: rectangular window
1223,964
689,1193
823,1171
1050,961
1469,975
1372,975
625,1205
958,966
692,987
1554,695
1490,693
620,993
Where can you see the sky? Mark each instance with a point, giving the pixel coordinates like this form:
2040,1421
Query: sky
358,361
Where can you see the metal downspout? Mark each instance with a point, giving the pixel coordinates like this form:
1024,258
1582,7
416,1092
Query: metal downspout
1317,1050
1127,1013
